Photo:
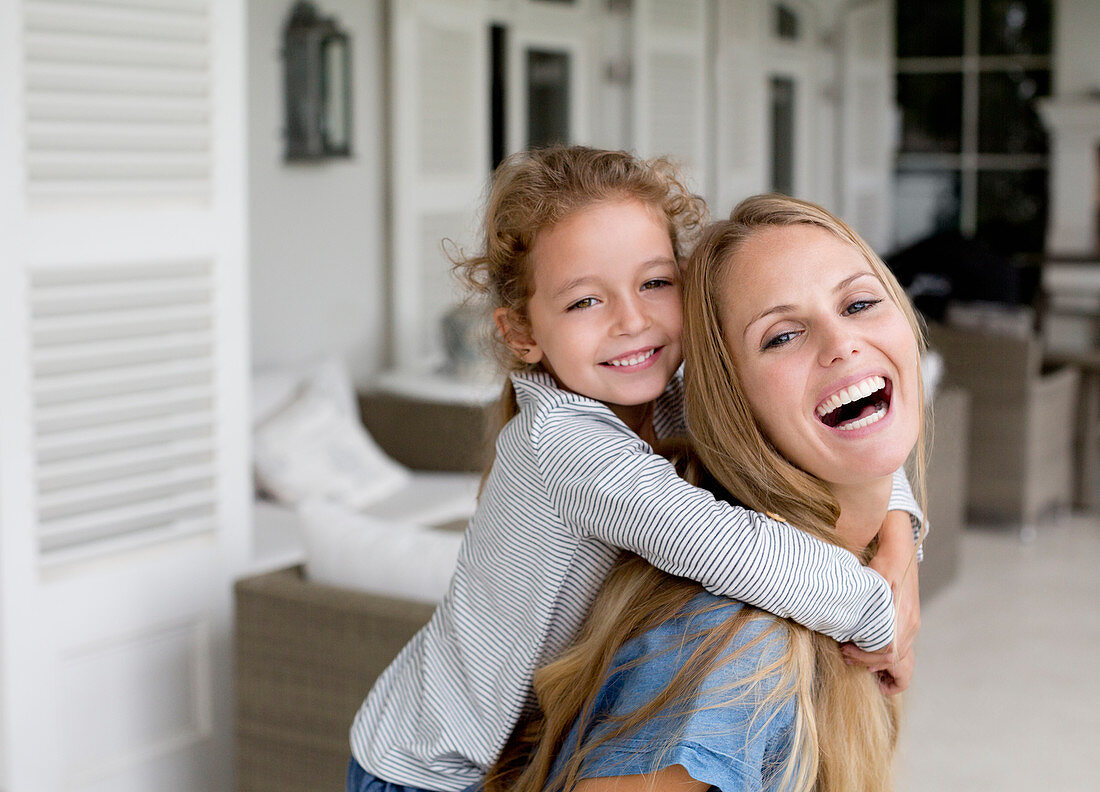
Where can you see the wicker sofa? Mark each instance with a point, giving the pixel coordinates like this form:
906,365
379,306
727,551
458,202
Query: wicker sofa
305,653
1021,431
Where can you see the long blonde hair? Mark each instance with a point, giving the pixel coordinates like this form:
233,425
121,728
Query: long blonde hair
847,724
845,730
533,190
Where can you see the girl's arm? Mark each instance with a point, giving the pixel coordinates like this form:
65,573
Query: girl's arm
902,500
607,483
896,561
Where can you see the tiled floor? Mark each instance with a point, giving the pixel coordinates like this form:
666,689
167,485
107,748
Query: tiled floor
1007,689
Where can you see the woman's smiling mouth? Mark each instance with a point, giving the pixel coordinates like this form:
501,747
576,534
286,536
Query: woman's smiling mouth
856,406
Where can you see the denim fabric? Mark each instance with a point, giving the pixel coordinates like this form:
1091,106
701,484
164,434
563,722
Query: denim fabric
359,780
727,735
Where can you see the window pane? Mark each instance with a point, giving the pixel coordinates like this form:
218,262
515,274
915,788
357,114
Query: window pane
1007,121
547,98
926,29
926,203
1015,27
1012,210
931,106
786,23
498,80
782,166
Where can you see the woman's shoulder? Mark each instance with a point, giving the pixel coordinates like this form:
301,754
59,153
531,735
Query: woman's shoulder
726,727
750,639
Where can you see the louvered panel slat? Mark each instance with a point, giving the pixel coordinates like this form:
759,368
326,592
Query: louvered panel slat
116,464
166,193
56,330
102,412
140,272
115,21
97,297
93,384
135,111
75,51
95,526
133,434
47,78
120,353
189,6
118,101
106,167
122,363
124,491
102,138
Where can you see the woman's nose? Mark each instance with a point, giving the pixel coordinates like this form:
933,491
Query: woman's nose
838,343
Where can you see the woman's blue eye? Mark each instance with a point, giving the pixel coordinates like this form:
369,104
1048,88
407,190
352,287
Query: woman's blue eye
861,305
780,339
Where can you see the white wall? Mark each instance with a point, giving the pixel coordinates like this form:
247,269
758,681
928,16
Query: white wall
1076,56
316,231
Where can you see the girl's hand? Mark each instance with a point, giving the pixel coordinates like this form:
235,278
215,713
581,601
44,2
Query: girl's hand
896,561
897,677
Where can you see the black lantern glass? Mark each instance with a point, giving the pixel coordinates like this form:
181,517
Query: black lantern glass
317,82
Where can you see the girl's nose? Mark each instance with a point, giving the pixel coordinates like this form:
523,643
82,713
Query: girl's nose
631,317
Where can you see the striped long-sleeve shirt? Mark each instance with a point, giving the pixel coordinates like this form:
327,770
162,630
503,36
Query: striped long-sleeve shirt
571,486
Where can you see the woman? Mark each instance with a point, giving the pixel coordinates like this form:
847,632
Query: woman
804,395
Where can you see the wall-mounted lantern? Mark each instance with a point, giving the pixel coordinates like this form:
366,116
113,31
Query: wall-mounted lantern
317,85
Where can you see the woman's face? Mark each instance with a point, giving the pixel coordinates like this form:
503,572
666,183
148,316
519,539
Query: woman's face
827,361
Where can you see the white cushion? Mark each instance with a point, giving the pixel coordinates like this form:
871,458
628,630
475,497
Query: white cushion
313,448
394,559
429,498
273,388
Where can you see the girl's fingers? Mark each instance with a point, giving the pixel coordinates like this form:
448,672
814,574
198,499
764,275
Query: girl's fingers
875,661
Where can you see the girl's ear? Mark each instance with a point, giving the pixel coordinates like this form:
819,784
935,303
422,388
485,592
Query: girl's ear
517,335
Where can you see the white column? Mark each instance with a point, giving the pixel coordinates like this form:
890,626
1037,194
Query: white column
1074,126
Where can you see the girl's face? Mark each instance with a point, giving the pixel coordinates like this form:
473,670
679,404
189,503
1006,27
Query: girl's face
828,362
604,316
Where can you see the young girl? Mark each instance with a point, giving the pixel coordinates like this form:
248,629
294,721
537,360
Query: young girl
582,252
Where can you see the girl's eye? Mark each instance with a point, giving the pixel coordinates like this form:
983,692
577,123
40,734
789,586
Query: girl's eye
584,302
780,339
656,283
857,306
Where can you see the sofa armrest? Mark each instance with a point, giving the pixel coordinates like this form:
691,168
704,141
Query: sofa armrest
306,654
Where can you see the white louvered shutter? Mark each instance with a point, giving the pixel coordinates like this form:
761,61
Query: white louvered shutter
124,482
671,88
123,392
867,122
741,141
439,159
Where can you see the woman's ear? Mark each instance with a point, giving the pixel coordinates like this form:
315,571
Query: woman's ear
517,335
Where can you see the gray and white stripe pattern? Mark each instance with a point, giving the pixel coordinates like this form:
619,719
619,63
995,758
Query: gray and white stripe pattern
570,487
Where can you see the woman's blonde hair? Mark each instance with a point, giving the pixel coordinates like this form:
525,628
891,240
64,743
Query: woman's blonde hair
530,192
724,432
845,729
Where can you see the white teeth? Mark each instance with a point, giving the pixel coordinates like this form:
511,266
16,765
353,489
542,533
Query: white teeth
862,422
860,390
634,361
